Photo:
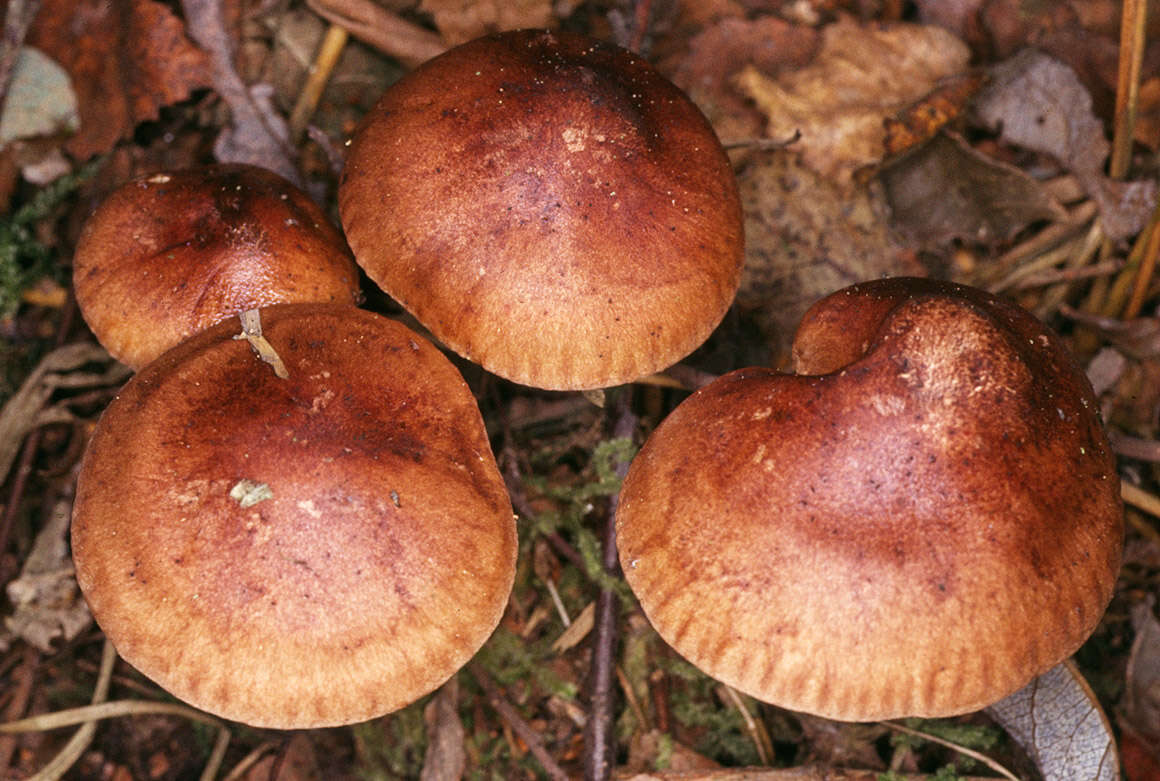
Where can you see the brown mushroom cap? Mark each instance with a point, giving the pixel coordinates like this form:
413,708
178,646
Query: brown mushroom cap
549,206
299,552
919,531
167,255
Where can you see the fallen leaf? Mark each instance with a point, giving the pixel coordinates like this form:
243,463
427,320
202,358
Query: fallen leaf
1141,707
298,762
918,123
1038,103
947,190
40,99
127,59
459,21
806,237
446,757
26,410
47,606
1058,721
257,133
861,75
722,49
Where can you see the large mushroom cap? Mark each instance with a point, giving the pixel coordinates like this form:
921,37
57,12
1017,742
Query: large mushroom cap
549,206
298,552
918,531
169,254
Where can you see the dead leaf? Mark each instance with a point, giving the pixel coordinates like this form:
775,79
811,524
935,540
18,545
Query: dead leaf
257,133
1142,685
647,750
805,237
25,410
446,757
947,190
1038,103
40,100
1058,721
46,601
862,75
919,122
127,59
298,762
723,48
461,20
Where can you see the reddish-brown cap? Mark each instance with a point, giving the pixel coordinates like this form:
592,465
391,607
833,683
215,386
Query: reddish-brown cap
549,206
919,530
298,552
166,255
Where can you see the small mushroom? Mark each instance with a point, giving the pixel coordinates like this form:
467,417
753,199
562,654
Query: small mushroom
549,206
921,520
295,552
169,254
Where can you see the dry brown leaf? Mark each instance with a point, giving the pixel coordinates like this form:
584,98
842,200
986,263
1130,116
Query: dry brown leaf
46,602
127,59
461,20
947,190
446,757
1038,103
720,50
862,75
1058,721
298,762
805,237
1142,684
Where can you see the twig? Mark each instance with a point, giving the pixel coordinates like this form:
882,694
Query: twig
757,732
516,723
1134,447
1140,499
1147,268
975,755
21,691
90,714
317,77
390,34
71,752
599,754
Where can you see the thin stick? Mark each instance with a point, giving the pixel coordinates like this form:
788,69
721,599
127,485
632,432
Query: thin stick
516,723
1147,270
1140,499
757,732
975,755
319,75
1132,26
71,752
599,754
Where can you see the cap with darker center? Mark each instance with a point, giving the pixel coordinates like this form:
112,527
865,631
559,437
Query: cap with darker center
299,552
918,523
169,254
549,206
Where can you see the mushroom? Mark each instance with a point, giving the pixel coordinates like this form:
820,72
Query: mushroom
549,206
168,254
295,552
921,520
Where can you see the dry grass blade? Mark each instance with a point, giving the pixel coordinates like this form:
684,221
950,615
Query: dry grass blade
966,752
88,715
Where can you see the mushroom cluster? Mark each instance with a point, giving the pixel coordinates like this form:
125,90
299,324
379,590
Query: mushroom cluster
321,540
917,522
